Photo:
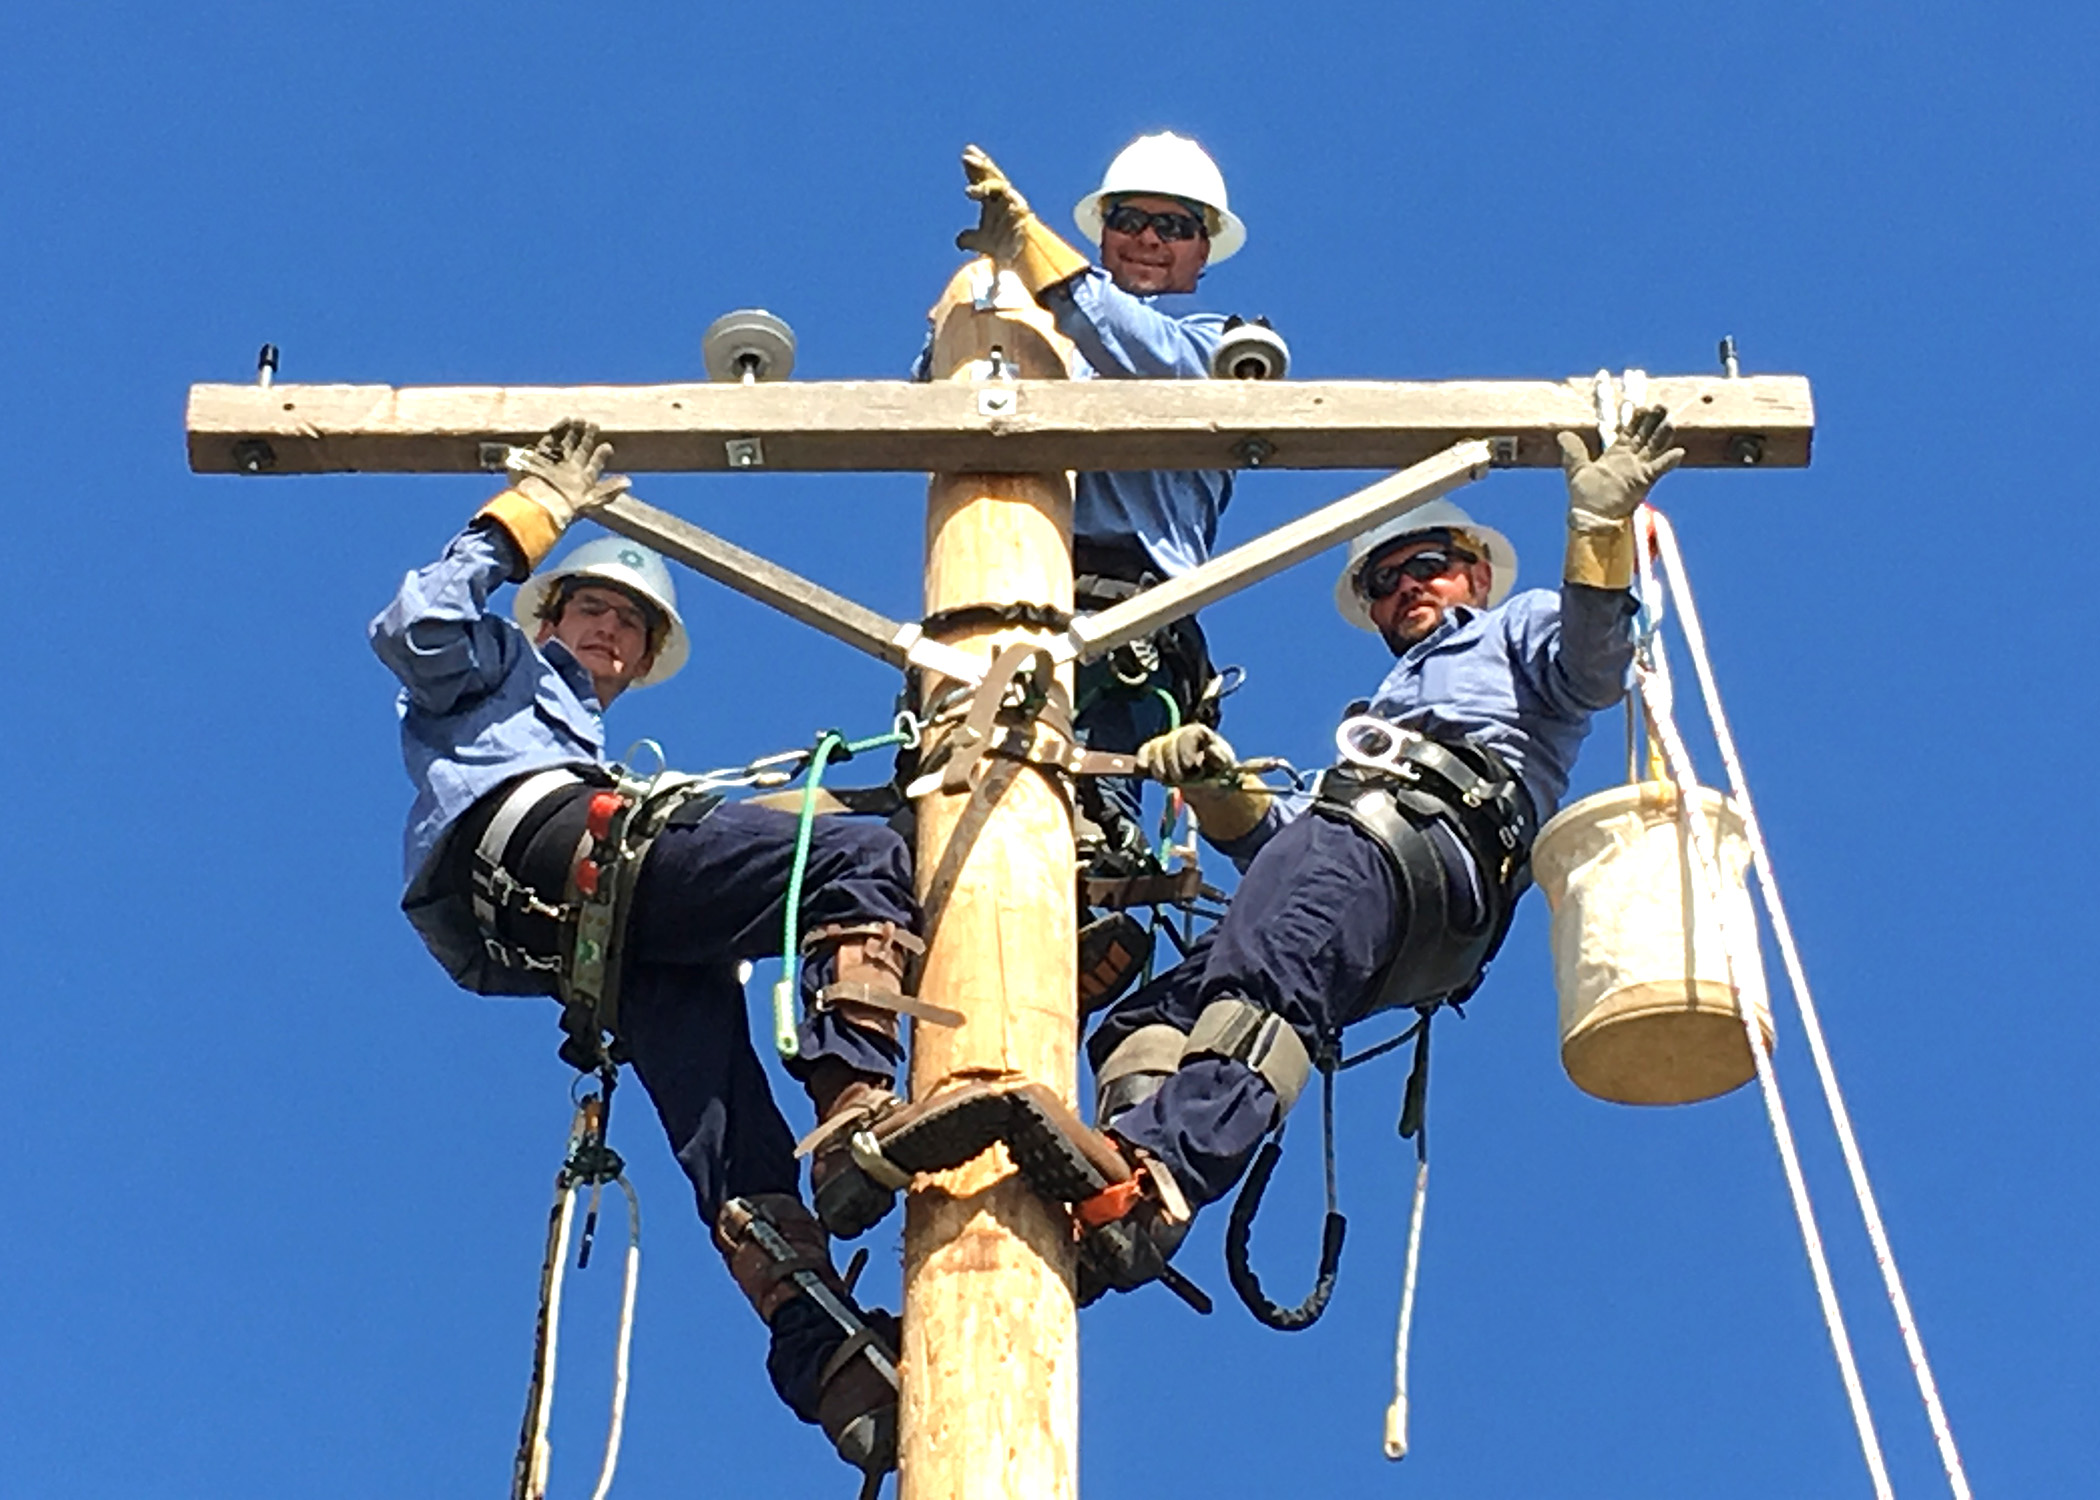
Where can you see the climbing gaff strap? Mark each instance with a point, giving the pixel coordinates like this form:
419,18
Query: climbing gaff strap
1239,1228
588,1161
1414,1125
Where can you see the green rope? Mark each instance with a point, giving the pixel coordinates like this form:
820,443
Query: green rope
1167,818
784,990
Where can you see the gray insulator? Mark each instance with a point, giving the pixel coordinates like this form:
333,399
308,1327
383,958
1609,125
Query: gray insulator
1250,352
746,345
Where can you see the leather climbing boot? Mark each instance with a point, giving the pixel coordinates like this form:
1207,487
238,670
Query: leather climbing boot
1128,1213
778,1252
847,1101
872,1143
856,1403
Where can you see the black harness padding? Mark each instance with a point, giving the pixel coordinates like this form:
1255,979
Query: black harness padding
531,912
1442,957
530,889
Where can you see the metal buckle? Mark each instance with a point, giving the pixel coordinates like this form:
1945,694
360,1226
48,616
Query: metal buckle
1384,753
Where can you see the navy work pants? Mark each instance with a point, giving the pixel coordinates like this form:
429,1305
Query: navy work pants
1317,917
712,894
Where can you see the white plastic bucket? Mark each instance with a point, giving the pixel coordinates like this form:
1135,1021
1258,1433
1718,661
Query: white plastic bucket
1647,976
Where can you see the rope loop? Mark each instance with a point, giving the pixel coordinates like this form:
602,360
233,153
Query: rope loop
1239,1229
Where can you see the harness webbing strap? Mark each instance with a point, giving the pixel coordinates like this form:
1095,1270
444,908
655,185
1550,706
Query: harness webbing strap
1136,1069
1241,1030
1156,1048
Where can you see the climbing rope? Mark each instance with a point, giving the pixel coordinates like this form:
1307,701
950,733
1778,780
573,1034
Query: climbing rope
1651,676
589,1162
1414,1123
1659,539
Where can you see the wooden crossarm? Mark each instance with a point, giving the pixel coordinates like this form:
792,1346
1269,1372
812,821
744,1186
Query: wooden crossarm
1030,427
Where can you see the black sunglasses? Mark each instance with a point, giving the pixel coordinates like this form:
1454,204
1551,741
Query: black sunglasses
1128,218
1382,580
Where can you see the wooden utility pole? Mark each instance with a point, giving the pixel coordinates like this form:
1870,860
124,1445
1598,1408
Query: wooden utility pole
990,1369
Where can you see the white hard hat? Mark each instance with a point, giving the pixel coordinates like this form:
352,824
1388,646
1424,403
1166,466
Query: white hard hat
1171,166
1432,515
632,567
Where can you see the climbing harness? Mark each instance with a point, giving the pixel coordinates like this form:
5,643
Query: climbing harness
563,850
1400,787
1658,544
622,822
588,1162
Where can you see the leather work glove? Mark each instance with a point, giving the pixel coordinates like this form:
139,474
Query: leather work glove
1202,763
553,482
1603,494
1194,752
1009,232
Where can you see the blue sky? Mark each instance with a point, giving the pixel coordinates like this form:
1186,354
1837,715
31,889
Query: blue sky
281,1189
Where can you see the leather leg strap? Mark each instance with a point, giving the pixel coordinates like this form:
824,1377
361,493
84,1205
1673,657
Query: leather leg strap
871,962
765,1280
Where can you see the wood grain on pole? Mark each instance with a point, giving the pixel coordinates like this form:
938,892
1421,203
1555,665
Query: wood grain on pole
861,425
990,1375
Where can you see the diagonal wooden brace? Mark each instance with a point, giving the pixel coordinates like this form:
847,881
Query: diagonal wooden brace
900,643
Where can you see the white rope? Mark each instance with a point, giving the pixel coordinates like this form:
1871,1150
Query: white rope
1665,539
1396,1414
536,1452
619,1391
1651,676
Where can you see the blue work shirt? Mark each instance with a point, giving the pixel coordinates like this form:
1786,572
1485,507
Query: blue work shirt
480,705
1169,516
1521,679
